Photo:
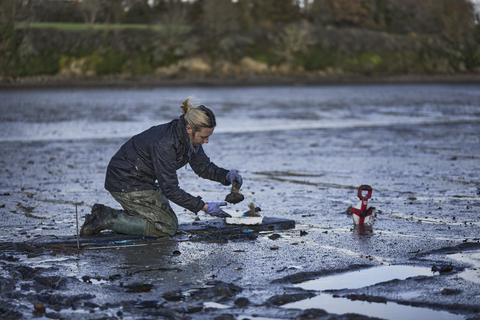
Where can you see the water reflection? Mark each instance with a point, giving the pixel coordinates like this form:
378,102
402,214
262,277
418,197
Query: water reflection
363,230
363,278
473,258
391,311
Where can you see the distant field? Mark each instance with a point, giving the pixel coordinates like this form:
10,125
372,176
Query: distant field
85,26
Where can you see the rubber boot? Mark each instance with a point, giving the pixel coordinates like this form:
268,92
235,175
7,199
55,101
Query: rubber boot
128,224
101,218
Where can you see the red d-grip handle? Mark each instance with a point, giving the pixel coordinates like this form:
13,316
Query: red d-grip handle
364,187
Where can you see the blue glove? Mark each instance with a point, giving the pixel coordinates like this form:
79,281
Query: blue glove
214,209
232,176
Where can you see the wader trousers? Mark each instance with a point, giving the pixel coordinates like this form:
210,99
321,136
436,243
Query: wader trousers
145,213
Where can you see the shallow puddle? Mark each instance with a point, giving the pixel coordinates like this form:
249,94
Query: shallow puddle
215,305
363,278
474,259
248,317
390,310
42,262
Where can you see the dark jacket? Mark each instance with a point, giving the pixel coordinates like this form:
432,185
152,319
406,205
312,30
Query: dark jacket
155,155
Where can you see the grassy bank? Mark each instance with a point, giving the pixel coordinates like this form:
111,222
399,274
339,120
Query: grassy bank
86,27
76,50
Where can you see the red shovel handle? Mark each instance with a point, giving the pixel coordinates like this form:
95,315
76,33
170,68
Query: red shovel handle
364,187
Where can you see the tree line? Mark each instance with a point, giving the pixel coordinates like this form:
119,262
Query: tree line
366,36
393,16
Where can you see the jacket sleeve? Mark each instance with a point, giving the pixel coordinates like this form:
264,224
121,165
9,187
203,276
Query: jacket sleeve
165,165
202,166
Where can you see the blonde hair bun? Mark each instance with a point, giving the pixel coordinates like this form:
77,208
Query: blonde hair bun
186,105
197,117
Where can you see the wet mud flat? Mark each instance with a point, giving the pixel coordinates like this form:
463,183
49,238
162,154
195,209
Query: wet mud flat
420,258
236,281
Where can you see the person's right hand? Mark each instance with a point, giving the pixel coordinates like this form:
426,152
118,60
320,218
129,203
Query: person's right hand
215,210
233,176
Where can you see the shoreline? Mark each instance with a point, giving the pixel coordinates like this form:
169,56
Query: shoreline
247,81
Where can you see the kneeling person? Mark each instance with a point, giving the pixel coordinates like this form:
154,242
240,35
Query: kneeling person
142,177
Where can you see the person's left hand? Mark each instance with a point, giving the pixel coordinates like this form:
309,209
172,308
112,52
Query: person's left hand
232,176
214,209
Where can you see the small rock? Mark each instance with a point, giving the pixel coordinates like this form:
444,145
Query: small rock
447,291
149,304
115,277
313,314
89,304
280,300
6,285
139,287
274,236
173,296
224,317
226,289
242,302
54,282
40,308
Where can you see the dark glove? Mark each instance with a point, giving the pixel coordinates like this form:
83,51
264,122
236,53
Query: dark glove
232,176
214,209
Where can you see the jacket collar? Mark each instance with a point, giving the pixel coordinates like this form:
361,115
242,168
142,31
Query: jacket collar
182,131
183,136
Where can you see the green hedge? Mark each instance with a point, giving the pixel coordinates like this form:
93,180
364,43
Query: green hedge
48,51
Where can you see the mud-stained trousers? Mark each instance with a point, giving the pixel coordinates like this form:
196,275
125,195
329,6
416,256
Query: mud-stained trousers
145,213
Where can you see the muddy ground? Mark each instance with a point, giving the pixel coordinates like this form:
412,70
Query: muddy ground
303,152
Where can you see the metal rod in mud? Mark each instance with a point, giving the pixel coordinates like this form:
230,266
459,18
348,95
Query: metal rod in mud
76,216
